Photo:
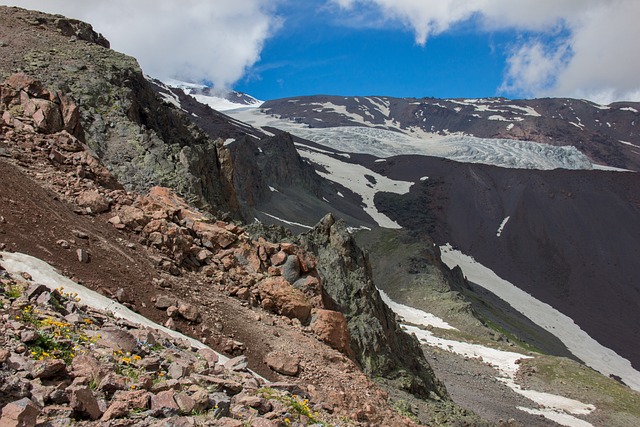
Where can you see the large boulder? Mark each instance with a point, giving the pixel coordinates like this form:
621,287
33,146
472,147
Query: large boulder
278,295
331,327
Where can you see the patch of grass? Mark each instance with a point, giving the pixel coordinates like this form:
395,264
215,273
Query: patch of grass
404,408
298,409
577,381
13,291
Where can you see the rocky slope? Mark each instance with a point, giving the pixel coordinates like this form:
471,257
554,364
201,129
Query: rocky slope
163,258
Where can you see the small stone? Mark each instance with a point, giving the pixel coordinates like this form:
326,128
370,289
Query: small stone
165,401
26,276
164,301
82,400
63,244
49,368
189,311
170,324
80,234
209,355
28,336
83,255
172,312
94,201
185,403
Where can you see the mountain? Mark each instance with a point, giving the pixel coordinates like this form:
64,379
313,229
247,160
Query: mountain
176,213
608,135
219,100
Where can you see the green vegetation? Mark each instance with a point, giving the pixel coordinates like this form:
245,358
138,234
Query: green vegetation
577,381
298,409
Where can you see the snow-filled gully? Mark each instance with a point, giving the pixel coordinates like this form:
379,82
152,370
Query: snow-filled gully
559,409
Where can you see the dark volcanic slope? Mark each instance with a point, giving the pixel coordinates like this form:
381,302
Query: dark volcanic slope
607,135
571,240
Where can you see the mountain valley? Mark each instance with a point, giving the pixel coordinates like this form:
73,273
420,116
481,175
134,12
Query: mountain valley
351,260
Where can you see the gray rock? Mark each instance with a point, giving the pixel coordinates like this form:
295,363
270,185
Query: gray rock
239,363
381,346
291,269
164,301
83,255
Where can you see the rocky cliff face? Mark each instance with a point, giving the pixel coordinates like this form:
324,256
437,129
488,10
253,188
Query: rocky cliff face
143,140
381,347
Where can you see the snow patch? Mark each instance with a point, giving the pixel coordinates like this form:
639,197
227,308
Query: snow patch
41,272
414,315
591,352
274,190
424,178
286,222
352,176
506,363
633,110
228,141
504,222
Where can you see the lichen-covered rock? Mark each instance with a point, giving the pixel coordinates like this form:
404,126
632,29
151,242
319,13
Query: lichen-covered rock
380,345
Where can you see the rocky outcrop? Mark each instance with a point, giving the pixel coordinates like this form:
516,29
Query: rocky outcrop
377,340
141,139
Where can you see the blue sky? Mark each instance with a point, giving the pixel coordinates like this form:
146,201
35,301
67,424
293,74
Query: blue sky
442,48
316,55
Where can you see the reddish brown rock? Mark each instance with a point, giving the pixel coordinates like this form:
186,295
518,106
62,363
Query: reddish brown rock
165,400
21,413
28,84
189,311
283,363
331,327
185,403
49,368
132,217
83,401
213,236
278,258
94,201
287,300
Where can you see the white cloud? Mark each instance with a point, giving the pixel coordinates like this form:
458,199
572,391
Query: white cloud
189,40
593,54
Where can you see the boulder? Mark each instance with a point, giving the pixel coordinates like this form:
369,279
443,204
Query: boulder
283,363
21,413
291,269
284,298
331,328
94,201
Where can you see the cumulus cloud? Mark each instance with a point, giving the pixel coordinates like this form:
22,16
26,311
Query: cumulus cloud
189,40
576,48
